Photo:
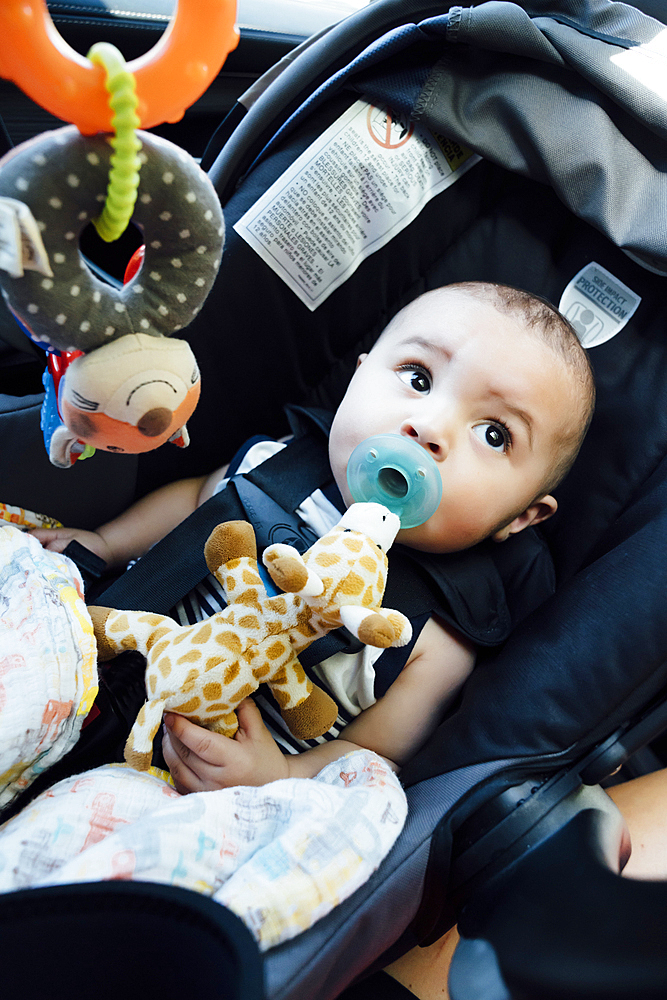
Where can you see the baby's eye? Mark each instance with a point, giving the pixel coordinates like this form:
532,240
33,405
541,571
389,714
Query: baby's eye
496,435
416,377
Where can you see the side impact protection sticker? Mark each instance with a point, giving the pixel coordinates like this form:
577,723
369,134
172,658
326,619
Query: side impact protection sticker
355,188
597,304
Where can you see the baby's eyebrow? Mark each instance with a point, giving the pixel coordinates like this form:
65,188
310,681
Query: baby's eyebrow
414,340
522,415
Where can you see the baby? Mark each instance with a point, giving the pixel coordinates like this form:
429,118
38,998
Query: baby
494,384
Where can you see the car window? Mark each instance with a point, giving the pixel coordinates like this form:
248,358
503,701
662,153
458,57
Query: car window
304,16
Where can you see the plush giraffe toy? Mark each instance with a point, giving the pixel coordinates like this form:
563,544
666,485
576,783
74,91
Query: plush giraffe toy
204,671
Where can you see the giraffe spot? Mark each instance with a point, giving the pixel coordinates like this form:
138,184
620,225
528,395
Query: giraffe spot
353,544
251,578
369,564
160,648
306,629
331,539
229,640
129,642
203,634
276,650
368,600
164,666
299,673
187,707
121,624
181,637
230,583
303,616
232,672
327,559
278,605
282,697
154,637
212,691
275,628
327,583
260,671
225,718
152,683
280,677
249,621
352,585
250,599
243,692
190,657
190,681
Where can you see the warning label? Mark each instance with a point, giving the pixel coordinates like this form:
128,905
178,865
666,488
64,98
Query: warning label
597,304
346,196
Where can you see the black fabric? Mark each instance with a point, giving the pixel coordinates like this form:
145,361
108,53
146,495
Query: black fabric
562,924
115,939
380,986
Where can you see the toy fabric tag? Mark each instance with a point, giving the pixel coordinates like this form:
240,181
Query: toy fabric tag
355,188
21,245
597,304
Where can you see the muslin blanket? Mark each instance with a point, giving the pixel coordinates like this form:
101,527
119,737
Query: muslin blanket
280,856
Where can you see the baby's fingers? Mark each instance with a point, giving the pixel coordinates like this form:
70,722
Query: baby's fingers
190,741
185,779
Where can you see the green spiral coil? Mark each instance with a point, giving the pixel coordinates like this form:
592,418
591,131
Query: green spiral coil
125,163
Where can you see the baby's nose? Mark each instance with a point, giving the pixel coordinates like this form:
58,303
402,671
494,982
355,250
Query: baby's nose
428,437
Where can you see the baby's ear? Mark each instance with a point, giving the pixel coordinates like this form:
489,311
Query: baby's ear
539,510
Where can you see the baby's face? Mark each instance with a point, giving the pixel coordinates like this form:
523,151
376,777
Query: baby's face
486,398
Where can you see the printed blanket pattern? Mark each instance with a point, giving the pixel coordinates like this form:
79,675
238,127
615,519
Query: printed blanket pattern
280,856
48,659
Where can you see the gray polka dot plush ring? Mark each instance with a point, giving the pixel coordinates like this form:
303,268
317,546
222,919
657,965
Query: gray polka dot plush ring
62,178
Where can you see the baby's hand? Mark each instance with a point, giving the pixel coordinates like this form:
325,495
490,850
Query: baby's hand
201,761
57,540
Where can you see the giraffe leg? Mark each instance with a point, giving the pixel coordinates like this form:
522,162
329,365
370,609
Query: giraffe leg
313,716
139,746
241,582
307,710
116,631
229,540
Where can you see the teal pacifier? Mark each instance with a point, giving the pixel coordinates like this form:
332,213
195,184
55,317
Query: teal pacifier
393,470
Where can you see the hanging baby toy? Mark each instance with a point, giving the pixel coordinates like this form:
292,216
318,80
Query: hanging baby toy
118,379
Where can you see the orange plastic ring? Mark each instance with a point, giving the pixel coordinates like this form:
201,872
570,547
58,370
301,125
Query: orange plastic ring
170,77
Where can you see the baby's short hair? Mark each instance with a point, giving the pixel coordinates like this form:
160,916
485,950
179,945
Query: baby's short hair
539,315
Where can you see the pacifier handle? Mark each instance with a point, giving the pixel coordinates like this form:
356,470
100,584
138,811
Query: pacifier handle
170,76
393,470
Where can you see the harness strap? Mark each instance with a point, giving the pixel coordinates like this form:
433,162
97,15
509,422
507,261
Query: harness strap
266,497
